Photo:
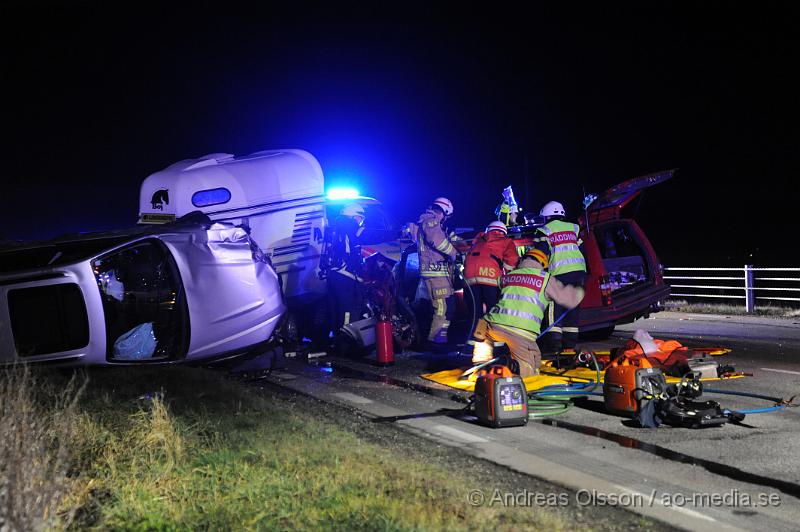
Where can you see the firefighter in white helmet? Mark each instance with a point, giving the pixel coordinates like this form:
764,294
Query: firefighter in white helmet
568,265
436,260
492,254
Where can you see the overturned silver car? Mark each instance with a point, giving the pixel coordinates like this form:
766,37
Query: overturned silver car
191,290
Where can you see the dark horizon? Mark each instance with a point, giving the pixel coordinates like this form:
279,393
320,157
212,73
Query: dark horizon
413,104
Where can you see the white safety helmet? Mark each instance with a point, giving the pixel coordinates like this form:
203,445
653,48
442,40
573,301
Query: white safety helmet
497,225
552,208
445,204
353,209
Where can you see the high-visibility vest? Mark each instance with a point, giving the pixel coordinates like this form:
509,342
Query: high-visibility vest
522,300
565,255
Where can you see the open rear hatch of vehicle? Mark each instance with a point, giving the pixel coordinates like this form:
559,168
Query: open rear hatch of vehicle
609,205
631,282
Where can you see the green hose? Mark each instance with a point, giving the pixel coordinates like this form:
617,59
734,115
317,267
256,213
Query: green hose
557,398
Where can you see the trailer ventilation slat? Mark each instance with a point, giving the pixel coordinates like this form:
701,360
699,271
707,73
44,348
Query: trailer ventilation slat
302,226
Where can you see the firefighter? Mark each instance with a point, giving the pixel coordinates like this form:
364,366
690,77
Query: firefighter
342,263
436,258
492,254
568,265
517,318
507,211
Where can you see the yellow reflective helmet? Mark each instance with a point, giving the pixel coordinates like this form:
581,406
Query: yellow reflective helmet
538,255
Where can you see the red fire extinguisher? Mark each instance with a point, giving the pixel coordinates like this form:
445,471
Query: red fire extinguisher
384,347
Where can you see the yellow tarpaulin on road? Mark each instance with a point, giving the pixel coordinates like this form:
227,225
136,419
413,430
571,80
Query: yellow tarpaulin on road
549,375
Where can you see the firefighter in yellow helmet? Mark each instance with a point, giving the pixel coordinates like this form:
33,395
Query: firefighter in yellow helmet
436,260
516,320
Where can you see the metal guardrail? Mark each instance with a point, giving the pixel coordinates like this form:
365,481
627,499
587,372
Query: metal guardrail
748,287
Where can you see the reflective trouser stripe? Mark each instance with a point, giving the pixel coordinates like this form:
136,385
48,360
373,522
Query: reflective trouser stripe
570,329
551,317
517,331
439,323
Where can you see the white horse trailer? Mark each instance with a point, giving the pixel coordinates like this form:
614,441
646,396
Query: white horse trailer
278,195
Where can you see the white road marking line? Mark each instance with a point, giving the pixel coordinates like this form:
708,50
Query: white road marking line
285,376
459,434
781,371
353,398
653,499
692,513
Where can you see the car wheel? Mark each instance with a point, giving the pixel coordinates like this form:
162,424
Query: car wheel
288,330
404,327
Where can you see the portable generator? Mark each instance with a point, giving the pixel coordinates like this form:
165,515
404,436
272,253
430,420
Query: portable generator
624,386
500,398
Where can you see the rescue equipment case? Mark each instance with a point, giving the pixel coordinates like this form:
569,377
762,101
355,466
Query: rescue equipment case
626,385
500,398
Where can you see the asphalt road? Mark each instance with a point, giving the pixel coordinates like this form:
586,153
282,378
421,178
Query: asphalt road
743,476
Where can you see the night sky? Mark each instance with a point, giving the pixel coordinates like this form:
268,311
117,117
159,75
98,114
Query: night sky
416,103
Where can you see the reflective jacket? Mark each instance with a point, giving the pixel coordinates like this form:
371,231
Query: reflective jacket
436,252
522,300
565,253
343,252
525,294
491,255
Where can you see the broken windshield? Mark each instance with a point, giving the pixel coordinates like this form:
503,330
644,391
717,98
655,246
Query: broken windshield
143,303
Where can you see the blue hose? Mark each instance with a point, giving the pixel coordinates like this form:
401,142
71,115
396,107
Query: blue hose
778,406
757,410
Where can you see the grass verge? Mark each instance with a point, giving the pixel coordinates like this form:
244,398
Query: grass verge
37,432
182,448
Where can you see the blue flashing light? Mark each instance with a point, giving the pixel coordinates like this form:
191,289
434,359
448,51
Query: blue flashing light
342,193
